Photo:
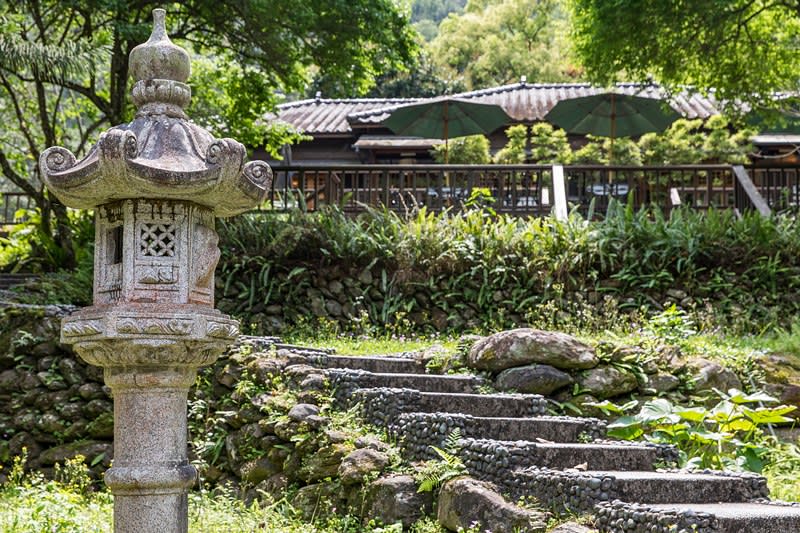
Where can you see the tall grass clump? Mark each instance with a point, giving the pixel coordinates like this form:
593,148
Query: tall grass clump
477,270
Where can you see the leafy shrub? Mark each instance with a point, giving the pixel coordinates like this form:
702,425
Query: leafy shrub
469,150
727,436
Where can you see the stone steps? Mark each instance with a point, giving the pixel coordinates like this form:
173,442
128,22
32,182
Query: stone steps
480,455
386,403
530,454
376,364
420,431
347,381
576,490
743,517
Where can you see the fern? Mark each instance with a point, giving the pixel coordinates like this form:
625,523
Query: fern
436,472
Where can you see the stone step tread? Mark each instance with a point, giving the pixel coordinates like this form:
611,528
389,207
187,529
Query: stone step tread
381,363
530,428
671,487
734,511
744,516
563,455
636,475
574,446
433,377
422,382
445,397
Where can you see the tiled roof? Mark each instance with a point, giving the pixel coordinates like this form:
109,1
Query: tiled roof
524,102
322,115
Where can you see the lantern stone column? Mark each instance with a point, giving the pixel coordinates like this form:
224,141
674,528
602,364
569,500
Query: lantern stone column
156,185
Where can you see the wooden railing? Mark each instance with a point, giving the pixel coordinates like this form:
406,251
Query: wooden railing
778,185
514,189
697,186
535,190
11,203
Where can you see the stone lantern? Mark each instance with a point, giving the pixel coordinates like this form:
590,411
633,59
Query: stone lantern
156,185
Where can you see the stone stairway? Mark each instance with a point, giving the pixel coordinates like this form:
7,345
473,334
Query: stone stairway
563,462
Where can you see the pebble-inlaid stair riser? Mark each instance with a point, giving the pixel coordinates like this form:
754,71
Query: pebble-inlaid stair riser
565,491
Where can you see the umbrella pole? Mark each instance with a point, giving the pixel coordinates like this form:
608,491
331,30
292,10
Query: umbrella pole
446,151
611,147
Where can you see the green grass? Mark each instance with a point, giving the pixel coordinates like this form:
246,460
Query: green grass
36,506
360,345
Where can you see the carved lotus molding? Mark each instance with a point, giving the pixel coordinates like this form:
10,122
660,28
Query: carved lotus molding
187,324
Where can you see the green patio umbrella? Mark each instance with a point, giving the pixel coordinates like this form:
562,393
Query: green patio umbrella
612,115
445,118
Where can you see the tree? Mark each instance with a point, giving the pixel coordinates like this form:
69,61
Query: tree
64,66
469,150
423,80
739,49
513,153
496,41
599,150
549,145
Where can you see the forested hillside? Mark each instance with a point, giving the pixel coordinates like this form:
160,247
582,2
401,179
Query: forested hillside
426,15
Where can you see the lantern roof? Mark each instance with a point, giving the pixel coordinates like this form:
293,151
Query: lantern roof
160,154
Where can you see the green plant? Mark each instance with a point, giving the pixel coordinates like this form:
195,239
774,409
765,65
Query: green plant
728,435
469,150
436,472
514,151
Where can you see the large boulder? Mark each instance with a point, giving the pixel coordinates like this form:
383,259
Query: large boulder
532,379
465,502
607,382
660,383
318,499
359,464
708,375
394,498
325,463
518,347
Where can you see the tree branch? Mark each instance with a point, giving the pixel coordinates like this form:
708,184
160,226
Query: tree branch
85,136
20,117
16,178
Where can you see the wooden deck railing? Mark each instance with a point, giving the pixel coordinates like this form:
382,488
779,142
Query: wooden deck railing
535,190
779,186
515,189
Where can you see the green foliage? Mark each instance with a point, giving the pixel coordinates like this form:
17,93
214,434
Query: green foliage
549,145
421,80
427,14
622,151
436,472
679,144
684,142
672,325
781,470
741,275
727,436
743,50
469,150
720,146
31,247
513,153
231,101
496,42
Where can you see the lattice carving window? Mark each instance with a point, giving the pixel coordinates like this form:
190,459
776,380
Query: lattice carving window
157,240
